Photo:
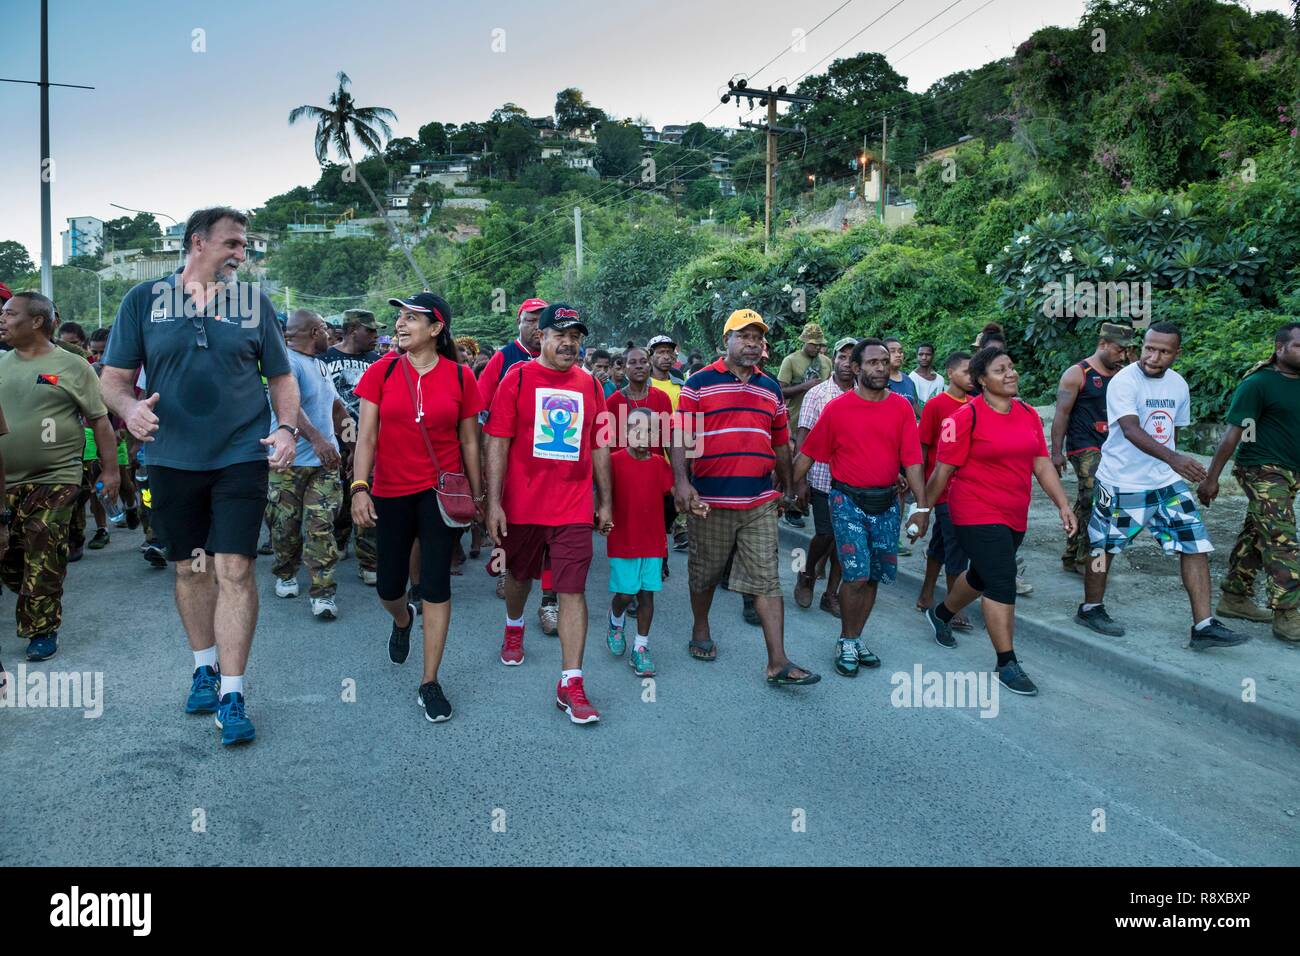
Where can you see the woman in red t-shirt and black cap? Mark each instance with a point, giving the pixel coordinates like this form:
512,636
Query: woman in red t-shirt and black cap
419,420
988,450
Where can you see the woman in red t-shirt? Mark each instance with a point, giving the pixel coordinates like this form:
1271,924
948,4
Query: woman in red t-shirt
419,419
986,459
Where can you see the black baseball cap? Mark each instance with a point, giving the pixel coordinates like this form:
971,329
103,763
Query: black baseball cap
426,302
560,315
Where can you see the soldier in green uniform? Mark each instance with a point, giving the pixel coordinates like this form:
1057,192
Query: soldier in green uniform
45,392
1264,431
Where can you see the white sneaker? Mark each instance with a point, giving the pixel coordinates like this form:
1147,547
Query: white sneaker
1023,587
549,615
324,608
368,577
286,587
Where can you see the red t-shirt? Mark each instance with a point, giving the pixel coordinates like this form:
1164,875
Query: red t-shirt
865,443
639,489
619,405
402,465
552,419
995,463
933,415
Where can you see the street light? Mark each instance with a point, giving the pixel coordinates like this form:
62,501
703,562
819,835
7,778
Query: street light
100,292
180,257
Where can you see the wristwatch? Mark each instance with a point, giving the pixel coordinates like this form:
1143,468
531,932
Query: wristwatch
290,429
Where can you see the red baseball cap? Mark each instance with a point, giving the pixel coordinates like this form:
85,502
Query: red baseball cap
5,293
531,305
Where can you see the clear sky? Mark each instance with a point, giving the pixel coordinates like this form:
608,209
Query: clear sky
170,129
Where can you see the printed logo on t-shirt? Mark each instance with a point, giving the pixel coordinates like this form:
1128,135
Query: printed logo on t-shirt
557,424
1160,426
44,378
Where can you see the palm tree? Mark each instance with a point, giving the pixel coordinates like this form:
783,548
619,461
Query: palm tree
341,123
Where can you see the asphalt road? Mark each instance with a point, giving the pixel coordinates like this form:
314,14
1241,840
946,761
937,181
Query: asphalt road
718,768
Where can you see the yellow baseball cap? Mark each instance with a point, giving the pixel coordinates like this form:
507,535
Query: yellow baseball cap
742,318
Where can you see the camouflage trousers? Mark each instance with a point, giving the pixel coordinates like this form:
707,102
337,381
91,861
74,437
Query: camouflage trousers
36,561
302,503
1267,541
366,545
77,527
1085,464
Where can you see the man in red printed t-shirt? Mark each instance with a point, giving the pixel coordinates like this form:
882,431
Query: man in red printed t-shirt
542,457
867,436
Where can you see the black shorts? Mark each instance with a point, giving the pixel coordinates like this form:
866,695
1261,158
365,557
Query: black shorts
821,509
943,543
992,551
217,511
402,521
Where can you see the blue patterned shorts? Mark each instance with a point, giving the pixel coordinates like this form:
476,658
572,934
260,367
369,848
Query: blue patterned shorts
867,544
1170,514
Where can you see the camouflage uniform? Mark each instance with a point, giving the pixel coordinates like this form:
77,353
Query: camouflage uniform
1077,550
366,547
36,562
1267,540
77,526
303,502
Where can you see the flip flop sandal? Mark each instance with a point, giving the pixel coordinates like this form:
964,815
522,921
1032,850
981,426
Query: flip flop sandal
962,625
782,677
707,647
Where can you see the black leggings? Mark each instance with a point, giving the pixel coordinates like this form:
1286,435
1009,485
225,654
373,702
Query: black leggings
992,549
401,521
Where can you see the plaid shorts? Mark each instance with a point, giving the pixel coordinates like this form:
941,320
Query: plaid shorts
749,532
1169,513
867,544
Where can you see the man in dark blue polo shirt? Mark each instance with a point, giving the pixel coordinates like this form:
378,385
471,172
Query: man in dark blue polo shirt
205,341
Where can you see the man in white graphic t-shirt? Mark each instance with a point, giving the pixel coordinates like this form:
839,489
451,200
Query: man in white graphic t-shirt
1142,483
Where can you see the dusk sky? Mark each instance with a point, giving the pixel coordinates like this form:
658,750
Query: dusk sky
169,129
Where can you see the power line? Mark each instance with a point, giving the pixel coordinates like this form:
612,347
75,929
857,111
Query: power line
943,31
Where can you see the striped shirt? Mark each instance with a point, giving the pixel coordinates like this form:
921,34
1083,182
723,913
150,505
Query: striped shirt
741,423
817,398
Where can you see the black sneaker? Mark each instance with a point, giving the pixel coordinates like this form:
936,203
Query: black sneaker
1013,677
99,541
415,599
133,517
865,657
399,641
749,612
794,519
435,704
681,540
77,553
1098,620
265,547
154,555
1215,634
942,629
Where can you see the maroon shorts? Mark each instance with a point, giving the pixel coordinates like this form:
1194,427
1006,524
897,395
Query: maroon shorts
568,548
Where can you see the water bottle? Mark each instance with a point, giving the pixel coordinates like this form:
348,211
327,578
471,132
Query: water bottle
113,508
141,473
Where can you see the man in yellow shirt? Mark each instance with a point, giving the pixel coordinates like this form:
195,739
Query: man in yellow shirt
663,355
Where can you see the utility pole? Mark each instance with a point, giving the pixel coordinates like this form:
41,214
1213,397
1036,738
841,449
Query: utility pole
577,238
769,98
884,146
47,165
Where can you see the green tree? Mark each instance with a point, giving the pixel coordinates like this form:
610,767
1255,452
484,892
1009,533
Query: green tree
337,126
433,137
131,232
515,147
618,150
329,267
572,111
14,260
402,151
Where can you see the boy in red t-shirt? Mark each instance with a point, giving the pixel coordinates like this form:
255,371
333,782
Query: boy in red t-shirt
640,478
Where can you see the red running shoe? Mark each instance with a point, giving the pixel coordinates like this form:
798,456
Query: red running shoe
572,699
512,648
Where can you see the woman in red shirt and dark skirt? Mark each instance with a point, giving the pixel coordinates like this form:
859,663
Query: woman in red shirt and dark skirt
988,450
419,423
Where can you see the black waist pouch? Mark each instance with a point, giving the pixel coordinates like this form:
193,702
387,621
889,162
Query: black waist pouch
872,501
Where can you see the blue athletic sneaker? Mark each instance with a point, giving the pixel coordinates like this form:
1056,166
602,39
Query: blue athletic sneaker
203,697
233,722
43,647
